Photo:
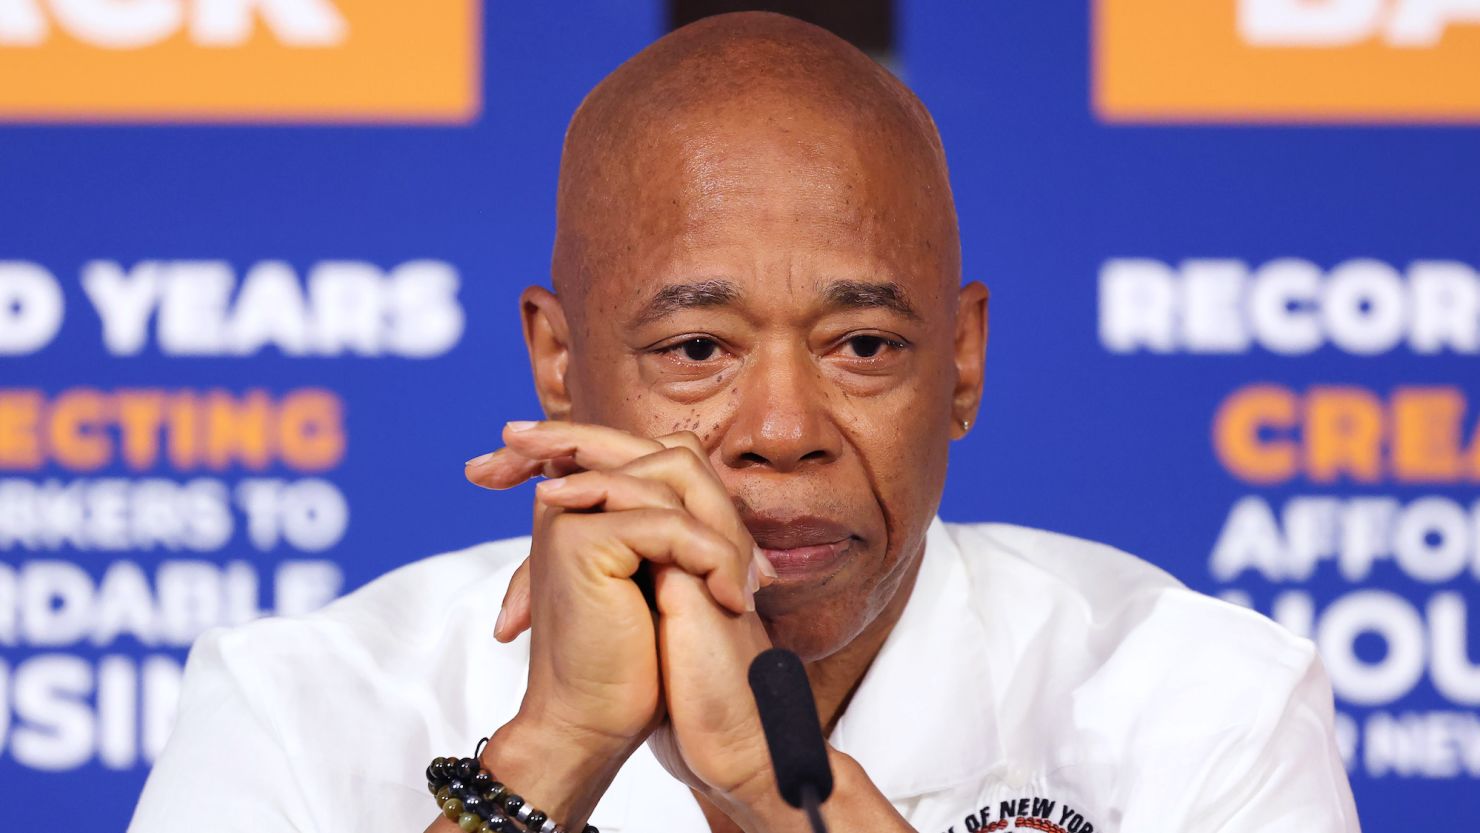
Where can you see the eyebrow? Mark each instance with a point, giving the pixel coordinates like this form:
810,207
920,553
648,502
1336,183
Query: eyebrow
681,296
841,294
865,294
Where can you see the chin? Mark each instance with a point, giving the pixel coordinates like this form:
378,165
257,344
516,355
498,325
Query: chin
816,619
811,634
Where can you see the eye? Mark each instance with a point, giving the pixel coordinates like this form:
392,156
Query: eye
869,346
695,349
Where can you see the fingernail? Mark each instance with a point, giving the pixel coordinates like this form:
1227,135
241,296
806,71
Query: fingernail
752,584
479,460
547,486
767,568
498,624
521,425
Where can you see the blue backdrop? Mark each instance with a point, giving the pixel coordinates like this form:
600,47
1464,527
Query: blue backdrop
172,459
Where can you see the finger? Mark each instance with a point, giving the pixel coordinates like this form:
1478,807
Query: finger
502,469
684,439
765,570
590,446
621,491
553,448
612,491
597,447
514,613
685,614
505,469
616,543
684,468
705,654
560,467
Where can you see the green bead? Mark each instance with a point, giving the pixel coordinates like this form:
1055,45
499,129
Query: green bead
485,827
452,808
469,822
431,788
443,794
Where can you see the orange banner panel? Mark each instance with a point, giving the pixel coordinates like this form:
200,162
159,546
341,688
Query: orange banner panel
240,61
1414,61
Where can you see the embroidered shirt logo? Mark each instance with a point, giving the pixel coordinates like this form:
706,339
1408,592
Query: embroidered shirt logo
1031,813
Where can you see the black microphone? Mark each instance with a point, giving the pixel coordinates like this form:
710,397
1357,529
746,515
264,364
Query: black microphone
789,718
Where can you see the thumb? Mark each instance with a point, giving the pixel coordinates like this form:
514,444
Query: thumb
705,650
514,614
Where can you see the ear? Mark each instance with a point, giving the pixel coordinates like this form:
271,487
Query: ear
971,356
547,336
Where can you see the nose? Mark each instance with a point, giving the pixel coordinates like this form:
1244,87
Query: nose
782,418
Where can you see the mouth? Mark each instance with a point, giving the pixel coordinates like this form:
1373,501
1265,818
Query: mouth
801,547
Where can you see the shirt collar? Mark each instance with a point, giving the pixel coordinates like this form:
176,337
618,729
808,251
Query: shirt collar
920,721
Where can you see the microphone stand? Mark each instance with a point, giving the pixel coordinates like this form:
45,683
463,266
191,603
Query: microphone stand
813,806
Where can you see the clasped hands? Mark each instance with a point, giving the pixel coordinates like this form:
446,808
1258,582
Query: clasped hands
608,671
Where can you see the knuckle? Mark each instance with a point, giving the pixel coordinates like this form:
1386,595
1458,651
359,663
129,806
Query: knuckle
675,521
562,529
667,496
585,478
625,481
577,481
645,489
686,457
709,545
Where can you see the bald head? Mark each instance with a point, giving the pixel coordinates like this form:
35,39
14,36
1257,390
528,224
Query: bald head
673,137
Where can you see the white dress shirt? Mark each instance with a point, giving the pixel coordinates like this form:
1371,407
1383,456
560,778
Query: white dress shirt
1034,682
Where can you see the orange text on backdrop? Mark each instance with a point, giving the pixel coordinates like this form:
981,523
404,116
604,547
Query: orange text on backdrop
1287,60
240,60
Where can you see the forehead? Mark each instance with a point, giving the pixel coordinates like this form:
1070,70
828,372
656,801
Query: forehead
762,195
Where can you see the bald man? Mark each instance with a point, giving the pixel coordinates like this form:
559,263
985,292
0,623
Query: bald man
756,355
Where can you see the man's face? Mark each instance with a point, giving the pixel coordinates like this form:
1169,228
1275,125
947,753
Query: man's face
793,302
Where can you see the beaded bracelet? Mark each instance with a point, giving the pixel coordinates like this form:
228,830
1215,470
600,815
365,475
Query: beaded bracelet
468,794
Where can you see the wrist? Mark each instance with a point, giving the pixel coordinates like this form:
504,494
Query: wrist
855,804
757,805
560,770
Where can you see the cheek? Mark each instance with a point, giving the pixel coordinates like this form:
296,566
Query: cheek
645,410
904,440
903,431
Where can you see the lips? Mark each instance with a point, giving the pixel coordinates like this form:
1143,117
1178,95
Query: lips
801,546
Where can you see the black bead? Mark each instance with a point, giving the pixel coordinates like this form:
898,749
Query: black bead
467,768
432,787
472,804
590,829
496,791
498,821
535,820
481,782
512,803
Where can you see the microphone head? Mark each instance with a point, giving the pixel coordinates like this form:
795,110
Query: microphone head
789,719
